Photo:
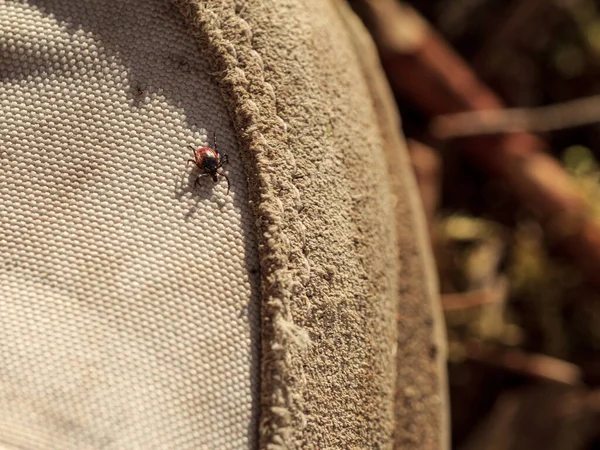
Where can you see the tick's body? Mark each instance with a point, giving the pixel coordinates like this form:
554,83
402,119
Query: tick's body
208,161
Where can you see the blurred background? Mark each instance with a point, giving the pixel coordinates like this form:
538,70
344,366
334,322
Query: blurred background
499,104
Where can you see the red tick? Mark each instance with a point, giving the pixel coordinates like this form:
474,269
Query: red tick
208,162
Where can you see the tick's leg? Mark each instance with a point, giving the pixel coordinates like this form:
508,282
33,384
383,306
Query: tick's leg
215,141
222,160
228,183
193,162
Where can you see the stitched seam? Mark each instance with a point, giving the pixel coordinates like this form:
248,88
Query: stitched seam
270,167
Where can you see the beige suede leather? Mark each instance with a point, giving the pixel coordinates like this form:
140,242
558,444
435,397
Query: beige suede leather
421,405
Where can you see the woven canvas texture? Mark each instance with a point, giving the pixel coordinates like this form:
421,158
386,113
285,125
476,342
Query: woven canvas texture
129,311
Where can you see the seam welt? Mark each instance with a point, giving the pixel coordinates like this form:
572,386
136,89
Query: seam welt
285,269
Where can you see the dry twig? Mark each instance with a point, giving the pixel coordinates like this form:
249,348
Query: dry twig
529,364
554,117
490,295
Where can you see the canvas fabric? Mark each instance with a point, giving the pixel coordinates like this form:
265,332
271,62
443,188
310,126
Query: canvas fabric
129,302
137,311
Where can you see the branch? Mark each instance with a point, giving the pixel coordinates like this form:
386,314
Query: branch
494,294
533,365
554,117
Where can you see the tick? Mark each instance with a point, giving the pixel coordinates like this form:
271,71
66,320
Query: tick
209,161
